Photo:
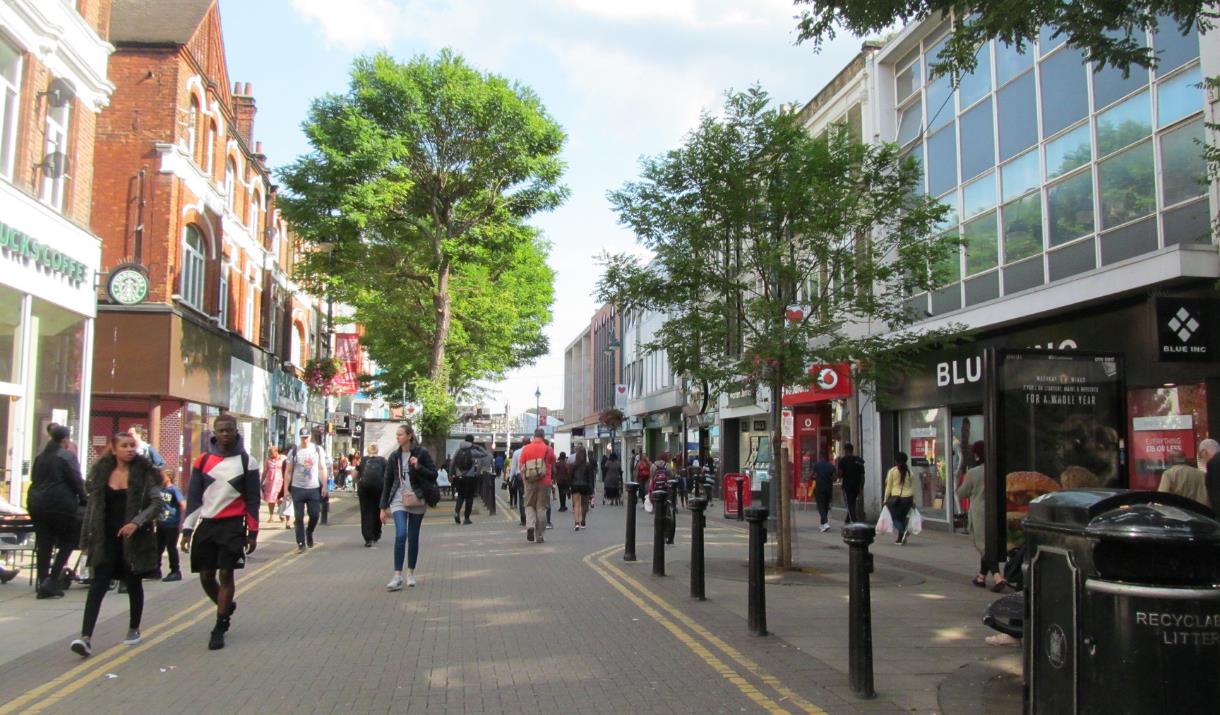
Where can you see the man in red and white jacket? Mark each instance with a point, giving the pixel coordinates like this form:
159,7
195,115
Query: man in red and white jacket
538,488
222,515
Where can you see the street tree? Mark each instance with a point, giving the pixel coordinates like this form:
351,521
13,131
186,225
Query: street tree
1110,32
772,251
419,184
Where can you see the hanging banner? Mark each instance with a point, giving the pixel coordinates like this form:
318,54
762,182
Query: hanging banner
347,352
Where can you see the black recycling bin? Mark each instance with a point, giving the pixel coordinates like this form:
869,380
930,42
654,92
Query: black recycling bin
1122,604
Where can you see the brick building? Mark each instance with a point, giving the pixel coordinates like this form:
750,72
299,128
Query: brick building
185,206
53,83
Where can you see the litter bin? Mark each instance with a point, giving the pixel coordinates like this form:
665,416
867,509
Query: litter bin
1122,604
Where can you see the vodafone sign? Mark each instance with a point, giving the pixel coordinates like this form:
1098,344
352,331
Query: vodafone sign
830,382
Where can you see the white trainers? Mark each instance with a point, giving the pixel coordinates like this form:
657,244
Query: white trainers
824,528
81,647
395,584
411,580
133,637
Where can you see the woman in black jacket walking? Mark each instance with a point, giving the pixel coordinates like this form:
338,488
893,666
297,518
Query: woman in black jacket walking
582,486
410,488
56,495
119,535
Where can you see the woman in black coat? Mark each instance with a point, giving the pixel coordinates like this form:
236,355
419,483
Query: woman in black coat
120,532
56,495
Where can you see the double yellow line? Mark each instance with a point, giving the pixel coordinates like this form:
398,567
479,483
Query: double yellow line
55,690
674,621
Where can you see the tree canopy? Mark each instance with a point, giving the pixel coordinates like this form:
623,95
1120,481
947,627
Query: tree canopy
418,188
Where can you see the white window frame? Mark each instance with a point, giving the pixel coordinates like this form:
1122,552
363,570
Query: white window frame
256,201
222,303
248,317
209,156
296,344
55,139
230,183
192,128
10,113
193,268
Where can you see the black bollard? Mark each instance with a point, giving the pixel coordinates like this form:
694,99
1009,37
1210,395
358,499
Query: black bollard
629,539
671,527
860,619
658,532
698,519
757,605
741,504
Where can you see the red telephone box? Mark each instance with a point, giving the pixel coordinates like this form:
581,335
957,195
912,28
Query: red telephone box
729,493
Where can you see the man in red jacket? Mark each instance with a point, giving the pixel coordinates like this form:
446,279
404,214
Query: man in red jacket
537,464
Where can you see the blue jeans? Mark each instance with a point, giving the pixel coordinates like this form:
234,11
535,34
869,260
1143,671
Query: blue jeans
305,501
406,530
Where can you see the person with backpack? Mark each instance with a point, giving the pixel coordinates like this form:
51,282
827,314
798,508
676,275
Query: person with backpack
516,485
306,474
643,475
582,486
537,463
410,488
899,496
466,468
370,481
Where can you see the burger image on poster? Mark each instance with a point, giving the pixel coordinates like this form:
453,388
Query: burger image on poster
1020,489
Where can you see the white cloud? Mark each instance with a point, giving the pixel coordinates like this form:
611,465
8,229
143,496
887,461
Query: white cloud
354,24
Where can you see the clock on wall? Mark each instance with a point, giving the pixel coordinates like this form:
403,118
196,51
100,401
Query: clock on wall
128,284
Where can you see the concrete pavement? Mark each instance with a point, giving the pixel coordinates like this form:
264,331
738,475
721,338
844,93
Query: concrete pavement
500,625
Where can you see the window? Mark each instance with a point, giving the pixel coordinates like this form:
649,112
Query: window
1179,96
1069,151
910,120
1183,170
1126,184
1124,124
1048,39
222,309
1020,175
1173,49
916,153
192,128
231,184
1010,62
256,202
209,150
296,347
1022,228
1018,116
942,161
1069,205
55,142
940,103
978,196
982,246
977,84
978,141
192,268
248,315
1109,85
10,98
1065,97
907,80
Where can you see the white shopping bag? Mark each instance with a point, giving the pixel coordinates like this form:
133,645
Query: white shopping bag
914,522
648,503
885,524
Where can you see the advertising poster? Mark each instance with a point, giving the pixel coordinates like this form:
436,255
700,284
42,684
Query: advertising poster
1059,424
1157,443
347,351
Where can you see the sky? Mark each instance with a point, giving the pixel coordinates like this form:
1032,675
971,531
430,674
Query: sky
625,78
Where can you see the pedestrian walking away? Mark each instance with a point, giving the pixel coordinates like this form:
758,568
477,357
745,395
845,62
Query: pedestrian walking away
273,481
370,480
119,535
467,465
851,475
612,477
516,485
899,495
972,489
410,488
823,488
563,480
643,475
582,486
537,465
222,518
173,507
1184,480
55,499
306,480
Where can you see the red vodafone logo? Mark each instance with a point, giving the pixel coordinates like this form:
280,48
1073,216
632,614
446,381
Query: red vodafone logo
828,379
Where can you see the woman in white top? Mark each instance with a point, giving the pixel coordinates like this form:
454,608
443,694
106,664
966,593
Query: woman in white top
409,469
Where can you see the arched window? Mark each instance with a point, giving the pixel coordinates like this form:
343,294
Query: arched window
256,202
192,128
223,306
231,184
296,348
209,151
192,268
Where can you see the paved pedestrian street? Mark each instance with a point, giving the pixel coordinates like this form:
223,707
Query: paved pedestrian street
495,625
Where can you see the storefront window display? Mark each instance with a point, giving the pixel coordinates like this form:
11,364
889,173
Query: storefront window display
1167,424
923,436
196,432
10,334
57,370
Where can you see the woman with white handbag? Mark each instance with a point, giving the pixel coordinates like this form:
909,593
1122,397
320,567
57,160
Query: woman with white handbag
899,496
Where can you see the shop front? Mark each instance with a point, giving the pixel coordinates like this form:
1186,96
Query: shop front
745,433
250,396
47,311
1168,347
820,423
289,398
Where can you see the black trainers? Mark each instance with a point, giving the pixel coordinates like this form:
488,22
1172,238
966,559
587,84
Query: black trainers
457,519
174,575
81,647
467,521
529,534
216,640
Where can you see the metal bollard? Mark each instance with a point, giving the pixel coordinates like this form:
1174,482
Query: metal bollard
698,520
740,499
671,526
757,605
658,532
629,539
860,619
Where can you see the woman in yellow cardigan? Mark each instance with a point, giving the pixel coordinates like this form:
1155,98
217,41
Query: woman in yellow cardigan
900,495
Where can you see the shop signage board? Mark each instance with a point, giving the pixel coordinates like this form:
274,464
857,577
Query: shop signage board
1157,443
1185,331
1055,420
826,382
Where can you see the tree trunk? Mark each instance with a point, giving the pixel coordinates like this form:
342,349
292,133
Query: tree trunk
783,539
440,300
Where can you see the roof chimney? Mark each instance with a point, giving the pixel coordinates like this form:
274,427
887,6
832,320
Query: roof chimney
244,110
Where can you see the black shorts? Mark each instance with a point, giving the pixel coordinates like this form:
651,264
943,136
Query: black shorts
219,544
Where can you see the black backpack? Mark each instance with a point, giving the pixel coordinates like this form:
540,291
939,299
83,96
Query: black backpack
463,462
372,471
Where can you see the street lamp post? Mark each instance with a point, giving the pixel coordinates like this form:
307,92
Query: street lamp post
537,406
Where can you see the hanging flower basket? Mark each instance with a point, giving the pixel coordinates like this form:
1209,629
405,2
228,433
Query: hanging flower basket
612,418
320,375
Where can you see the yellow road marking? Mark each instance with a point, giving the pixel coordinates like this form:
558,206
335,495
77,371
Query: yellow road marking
726,672
76,678
506,509
734,654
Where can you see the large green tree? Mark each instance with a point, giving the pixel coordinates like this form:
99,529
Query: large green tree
1106,29
419,185
774,250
